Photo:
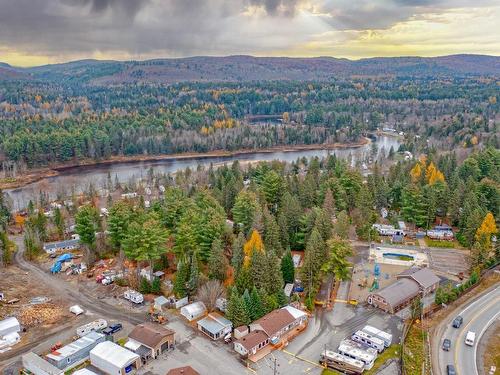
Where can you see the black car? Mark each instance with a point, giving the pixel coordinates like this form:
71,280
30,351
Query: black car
115,327
446,344
450,370
457,322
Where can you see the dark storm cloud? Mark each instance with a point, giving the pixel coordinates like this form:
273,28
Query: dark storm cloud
273,7
130,7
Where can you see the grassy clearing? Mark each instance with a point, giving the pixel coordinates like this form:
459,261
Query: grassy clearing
414,355
391,352
438,243
491,353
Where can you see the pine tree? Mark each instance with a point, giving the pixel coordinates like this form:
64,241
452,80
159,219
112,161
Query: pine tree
324,224
181,279
258,269
271,186
271,234
257,311
236,311
238,254
59,222
244,210
329,204
313,260
287,267
120,215
247,302
194,274
274,277
341,227
86,225
243,279
217,263
337,264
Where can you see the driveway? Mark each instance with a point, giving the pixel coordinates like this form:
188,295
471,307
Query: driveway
478,315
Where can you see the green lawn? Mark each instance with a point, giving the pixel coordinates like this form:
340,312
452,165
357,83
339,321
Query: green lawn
438,243
391,352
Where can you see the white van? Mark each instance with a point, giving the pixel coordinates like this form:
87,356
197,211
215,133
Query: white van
470,338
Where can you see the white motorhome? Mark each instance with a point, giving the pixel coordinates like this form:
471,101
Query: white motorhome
92,326
386,337
369,340
342,363
133,296
470,338
355,353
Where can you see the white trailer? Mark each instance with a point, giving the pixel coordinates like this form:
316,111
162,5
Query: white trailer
92,326
382,335
342,363
369,340
133,296
355,353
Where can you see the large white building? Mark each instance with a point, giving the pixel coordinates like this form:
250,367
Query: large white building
114,359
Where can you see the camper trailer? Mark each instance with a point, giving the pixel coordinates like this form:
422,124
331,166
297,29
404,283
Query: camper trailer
341,363
384,336
369,340
92,326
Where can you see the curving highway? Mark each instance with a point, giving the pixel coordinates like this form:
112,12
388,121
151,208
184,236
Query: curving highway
478,315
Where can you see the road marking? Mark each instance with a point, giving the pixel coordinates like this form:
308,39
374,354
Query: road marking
479,338
461,334
341,300
302,359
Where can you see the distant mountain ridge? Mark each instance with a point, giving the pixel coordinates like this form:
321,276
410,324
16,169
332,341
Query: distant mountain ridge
242,68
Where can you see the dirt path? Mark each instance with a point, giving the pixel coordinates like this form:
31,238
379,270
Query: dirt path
69,292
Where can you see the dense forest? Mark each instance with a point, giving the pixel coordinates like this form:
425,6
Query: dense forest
311,205
43,122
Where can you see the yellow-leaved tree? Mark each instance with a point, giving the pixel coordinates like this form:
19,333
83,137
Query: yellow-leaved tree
253,244
415,173
486,230
433,175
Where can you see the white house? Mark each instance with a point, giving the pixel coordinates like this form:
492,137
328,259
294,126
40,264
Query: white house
114,359
194,311
215,326
9,332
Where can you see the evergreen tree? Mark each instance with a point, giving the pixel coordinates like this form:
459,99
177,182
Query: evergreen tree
313,260
59,222
257,310
86,225
247,302
244,210
274,277
120,215
258,269
194,274
181,279
271,234
236,311
243,279
324,224
238,254
271,186
287,267
329,204
217,263
341,227
337,264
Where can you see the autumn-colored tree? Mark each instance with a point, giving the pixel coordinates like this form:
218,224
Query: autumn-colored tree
486,230
253,244
415,173
433,175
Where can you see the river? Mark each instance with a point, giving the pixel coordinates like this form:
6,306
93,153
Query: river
79,178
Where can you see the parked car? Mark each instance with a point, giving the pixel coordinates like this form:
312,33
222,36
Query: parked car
116,327
228,338
457,322
450,370
446,344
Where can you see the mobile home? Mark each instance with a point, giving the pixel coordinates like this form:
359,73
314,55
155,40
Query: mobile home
342,363
386,337
369,340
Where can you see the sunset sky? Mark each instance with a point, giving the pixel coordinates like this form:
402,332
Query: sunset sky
35,32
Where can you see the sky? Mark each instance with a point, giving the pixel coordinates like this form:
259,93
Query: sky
36,32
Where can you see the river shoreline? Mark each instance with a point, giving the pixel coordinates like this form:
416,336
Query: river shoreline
35,175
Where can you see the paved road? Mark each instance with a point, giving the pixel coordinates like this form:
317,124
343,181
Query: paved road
478,315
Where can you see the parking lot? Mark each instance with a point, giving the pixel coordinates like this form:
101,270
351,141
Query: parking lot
448,261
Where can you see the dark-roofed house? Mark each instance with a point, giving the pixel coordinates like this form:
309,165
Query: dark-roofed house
396,296
186,370
250,344
274,324
149,340
427,281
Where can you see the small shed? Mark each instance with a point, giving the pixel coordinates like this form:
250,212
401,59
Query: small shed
9,326
194,311
240,332
75,309
161,302
113,359
215,326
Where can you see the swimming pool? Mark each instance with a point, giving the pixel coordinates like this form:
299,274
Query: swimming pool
398,256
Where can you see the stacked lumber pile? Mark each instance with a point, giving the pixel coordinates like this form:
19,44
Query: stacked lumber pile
44,313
